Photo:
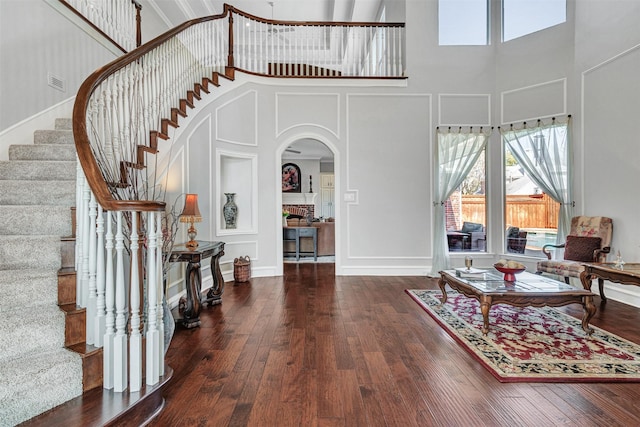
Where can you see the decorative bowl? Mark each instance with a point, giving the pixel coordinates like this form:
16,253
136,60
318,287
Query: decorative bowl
509,273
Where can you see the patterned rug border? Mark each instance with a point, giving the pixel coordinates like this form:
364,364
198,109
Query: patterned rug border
501,376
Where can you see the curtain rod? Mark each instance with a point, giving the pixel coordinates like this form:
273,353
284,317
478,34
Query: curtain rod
538,121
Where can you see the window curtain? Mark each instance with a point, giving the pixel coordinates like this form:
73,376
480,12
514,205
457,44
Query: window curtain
544,153
457,152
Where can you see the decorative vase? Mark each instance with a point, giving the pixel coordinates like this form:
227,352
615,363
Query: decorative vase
230,211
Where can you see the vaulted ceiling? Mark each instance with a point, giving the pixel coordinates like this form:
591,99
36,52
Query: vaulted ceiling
175,12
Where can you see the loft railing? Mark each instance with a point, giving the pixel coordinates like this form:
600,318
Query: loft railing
126,109
317,49
117,20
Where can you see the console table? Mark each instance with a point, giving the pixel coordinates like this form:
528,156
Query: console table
193,278
294,234
628,274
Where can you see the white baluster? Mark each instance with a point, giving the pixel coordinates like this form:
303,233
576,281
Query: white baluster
80,183
153,338
83,289
109,296
92,289
120,339
135,340
100,282
160,295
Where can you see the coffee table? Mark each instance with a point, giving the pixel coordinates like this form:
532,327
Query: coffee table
627,274
528,290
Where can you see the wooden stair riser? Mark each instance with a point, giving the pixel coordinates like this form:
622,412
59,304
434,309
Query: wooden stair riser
68,252
66,286
75,331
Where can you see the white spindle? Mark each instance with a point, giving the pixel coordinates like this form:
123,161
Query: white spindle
109,297
98,335
160,296
120,339
92,289
83,294
153,338
135,340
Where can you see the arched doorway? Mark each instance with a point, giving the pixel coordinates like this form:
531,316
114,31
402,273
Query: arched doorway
308,174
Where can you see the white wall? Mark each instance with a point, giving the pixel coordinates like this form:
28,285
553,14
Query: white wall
35,40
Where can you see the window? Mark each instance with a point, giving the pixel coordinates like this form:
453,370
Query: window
537,187
463,22
465,212
522,17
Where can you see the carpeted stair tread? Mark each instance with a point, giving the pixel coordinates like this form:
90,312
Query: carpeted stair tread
53,137
64,124
26,289
38,170
31,192
35,220
42,380
23,252
40,329
42,152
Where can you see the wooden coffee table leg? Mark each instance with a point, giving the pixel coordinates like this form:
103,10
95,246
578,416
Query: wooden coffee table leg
485,305
443,286
589,311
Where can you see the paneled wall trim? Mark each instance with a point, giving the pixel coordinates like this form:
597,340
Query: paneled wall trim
300,109
533,102
464,109
244,105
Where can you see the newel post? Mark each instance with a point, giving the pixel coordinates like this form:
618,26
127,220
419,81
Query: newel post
230,57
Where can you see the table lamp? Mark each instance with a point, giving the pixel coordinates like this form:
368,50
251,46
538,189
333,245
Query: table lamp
191,214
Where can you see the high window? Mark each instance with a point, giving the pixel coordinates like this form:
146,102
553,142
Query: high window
463,22
522,17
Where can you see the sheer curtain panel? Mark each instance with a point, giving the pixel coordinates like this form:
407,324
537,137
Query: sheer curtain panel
457,152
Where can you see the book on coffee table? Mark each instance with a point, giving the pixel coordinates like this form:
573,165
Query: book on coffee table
470,273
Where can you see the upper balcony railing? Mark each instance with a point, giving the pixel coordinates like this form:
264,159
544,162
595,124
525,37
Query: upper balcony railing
317,49
117,20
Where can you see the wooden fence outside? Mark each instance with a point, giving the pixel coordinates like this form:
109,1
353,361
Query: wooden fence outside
524,211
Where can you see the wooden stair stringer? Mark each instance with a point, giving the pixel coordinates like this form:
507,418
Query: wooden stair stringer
185,104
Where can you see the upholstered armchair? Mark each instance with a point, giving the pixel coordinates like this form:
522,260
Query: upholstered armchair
589,240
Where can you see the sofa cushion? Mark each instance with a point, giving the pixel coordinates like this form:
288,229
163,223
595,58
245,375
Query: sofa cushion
581,248
470,227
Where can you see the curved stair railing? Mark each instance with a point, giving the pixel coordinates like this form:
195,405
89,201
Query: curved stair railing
123,113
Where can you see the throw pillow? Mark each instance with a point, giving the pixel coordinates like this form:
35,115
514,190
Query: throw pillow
580,248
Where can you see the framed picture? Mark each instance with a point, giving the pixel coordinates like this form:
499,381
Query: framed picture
291,178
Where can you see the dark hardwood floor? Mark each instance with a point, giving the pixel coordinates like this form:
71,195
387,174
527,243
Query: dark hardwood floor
312,349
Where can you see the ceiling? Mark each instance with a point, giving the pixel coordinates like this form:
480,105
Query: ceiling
175,12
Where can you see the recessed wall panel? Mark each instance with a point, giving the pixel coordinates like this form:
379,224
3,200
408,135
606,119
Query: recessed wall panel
389,165
244,106
310,108
471,110
534,102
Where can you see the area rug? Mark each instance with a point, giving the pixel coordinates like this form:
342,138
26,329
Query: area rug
528,344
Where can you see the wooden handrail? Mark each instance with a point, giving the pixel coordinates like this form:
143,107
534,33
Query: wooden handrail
313,23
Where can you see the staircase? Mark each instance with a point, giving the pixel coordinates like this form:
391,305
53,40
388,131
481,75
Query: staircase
37,189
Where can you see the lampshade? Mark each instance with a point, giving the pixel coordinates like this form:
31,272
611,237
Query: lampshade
191,212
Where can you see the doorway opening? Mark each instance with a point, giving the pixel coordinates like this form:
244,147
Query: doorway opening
308,202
